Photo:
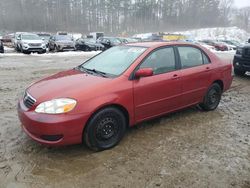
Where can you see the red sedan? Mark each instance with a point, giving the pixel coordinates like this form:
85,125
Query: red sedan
97,101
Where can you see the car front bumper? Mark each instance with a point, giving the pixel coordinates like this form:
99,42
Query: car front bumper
52,130
34,49
241,63
62,47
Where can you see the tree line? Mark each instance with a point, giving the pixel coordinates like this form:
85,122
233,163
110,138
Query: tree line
118,16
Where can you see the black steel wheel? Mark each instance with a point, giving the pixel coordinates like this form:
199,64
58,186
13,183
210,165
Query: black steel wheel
105,129
212,98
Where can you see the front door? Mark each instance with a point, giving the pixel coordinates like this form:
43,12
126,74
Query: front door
160,93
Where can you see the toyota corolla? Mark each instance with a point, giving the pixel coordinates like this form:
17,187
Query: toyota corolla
97,101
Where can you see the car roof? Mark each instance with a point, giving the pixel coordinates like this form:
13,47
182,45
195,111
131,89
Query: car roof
159,44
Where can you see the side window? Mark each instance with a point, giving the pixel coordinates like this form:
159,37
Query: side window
161,61
190,57
205,59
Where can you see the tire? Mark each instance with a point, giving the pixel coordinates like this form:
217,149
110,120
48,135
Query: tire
49,49
212,98
21,49
56,49
105,129
239,72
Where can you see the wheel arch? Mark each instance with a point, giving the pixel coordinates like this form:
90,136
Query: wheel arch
117,106
220,83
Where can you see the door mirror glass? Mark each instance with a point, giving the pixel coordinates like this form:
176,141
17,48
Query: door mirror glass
145,72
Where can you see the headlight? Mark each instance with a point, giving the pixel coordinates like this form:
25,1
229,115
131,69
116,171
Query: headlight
56,106
25,43
239,51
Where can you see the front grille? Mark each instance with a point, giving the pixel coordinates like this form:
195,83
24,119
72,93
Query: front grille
35,44
246,52
98,48
28,100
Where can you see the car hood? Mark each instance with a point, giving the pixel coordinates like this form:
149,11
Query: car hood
33,41
64,42
69,84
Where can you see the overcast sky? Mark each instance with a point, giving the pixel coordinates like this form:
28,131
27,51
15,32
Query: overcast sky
242,3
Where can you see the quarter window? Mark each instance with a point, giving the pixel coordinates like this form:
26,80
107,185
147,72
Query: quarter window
190,57
161,61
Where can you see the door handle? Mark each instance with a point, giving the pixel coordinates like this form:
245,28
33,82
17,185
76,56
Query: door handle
175,77
208,69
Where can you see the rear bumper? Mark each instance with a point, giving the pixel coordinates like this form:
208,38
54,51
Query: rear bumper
241,63
52,130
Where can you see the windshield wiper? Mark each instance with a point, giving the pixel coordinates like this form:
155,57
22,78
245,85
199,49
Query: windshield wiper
103,74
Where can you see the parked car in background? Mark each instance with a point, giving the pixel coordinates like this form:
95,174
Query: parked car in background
109,42
1,47
97,101
241,60
88,44
232,42
75,36
128,40
153,37
61,43
62,33
45,37
206,45
7,38
29,42
218,45
96,35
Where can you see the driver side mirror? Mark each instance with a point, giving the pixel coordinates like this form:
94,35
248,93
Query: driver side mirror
145,72
248,40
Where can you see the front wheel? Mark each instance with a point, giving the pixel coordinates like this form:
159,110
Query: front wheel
105,129
212,98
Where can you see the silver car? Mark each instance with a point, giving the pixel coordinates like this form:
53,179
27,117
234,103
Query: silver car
29,42
61,43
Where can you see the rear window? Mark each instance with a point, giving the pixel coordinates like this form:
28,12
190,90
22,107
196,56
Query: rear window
190,57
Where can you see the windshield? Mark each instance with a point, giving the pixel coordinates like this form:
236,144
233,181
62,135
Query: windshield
63,37
44,36
31,37
89,40
115,60
115,40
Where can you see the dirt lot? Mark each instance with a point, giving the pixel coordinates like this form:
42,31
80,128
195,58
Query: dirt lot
185,149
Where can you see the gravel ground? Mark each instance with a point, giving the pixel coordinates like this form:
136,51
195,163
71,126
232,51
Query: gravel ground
190,148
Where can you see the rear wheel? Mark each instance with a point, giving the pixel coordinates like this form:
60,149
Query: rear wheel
239,72
212,98
105,129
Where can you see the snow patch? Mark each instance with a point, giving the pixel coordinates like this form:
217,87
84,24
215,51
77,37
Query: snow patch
221,33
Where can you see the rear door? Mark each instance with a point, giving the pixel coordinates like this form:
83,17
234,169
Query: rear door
161,92
196,74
